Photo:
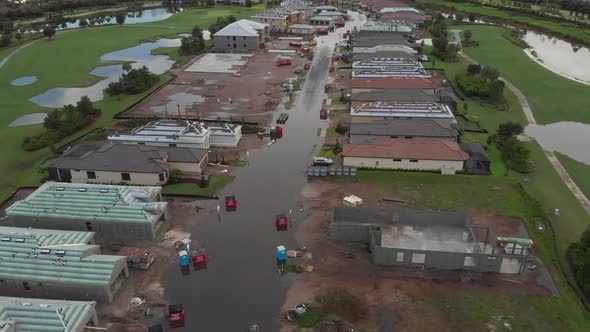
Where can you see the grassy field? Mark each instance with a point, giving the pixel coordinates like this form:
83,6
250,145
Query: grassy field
563,28
578,171
552,97
216,183
331,132
66,61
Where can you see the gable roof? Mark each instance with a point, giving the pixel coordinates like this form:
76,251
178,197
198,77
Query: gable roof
402,127
40,315
404,95
395,83
418,149
241,28
28,258
92,202
49,237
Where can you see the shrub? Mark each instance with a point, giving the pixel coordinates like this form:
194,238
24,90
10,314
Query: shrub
175,176
133,82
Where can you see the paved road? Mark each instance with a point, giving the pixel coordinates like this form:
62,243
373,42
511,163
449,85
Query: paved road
528,112
241,285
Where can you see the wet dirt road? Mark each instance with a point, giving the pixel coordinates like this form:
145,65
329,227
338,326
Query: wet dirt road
241,285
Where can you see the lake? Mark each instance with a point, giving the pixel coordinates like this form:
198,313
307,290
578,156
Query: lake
569,138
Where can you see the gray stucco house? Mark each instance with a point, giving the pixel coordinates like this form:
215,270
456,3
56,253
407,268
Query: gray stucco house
243,35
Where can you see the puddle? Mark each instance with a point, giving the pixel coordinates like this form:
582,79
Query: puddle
560,56
28,119
219,63
180,101
569,138
140,55
27,80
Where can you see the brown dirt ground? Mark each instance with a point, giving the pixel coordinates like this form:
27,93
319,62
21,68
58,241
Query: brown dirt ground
254,94
403,292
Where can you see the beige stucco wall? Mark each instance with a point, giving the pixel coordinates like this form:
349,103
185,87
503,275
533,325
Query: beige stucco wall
148,179
405,164
189,168
274,24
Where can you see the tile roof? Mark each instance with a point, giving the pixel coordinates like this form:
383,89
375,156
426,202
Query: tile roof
395,83
401,127
40,315
25,257
241,28
419,149
92,202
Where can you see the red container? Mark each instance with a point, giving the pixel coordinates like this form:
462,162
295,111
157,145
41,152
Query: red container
295,44
175,315
230,203
279,132
307,66
200,262
345,17
282,223
332,69
285,62
339,24
323,114
322,32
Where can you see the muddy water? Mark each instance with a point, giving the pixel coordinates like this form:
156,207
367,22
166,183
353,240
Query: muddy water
27,80
241,285
139,55
569,138
561,57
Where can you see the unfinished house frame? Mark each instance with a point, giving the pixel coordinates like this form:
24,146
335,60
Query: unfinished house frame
438,240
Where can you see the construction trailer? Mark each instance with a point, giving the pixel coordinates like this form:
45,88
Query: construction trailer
117,214
437,240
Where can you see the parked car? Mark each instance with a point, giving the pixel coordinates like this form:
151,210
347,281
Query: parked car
298,70
322,161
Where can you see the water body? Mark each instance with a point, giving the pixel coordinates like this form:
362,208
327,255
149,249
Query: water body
29,119
27,80
139,55
569,138
560,56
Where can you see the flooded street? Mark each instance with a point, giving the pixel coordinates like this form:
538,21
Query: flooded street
569,138
241,285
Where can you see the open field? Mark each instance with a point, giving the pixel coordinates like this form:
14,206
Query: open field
567,29
578,171
66,61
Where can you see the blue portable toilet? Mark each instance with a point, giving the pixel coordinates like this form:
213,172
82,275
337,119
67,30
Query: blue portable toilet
281,253
183,258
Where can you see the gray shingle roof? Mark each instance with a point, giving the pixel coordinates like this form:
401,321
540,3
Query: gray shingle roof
363,132
40,315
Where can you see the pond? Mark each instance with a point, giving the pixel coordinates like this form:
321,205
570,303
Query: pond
569,138
29,119
560,56
140,56
27,80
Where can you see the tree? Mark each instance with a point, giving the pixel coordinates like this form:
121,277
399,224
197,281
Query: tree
231,19
126,67
18,36
515,155
49,32
6,38
459,18
473,69
120,18
467,35
83,23
53,120
440,44
210,3
509,130
85,106
490,73
248,3
471,18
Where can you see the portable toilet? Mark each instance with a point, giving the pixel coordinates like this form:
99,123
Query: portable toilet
281,253
183,258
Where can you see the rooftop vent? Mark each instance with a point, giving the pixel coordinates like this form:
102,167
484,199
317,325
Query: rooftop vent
82,189
60,253
19,240
5,239
60,189
46,251
104,191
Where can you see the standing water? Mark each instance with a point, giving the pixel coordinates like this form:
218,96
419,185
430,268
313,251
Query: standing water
569,138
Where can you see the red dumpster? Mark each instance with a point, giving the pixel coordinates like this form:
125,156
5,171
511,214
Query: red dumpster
176,315
323,115
283,62
200,261
230,203
339,24
295,44
307,66
279,132
346,17
282,223
322,32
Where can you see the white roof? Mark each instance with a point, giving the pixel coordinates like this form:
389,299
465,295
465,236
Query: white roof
242,28
398,9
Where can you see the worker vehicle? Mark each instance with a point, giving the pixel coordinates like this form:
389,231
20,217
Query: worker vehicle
231,204
176,315
322,32
313,42
339,24
298,70
281,222
322,161
296,312
283,61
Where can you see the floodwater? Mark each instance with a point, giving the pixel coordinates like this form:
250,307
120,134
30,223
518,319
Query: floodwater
139,55
144,16
241,285
29,119
569,138
180,101
560,56
27,80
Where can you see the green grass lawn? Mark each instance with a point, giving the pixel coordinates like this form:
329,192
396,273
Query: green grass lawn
578,171
553,98
331,132
564,28
66,61
216,183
